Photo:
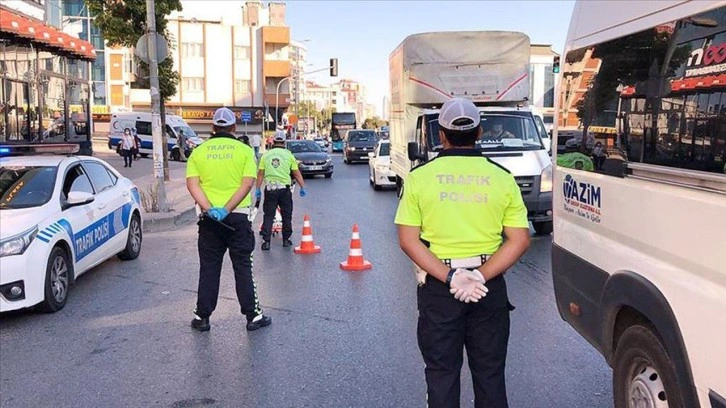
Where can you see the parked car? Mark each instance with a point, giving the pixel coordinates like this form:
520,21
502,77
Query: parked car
358,143
379,166
311,158
61,215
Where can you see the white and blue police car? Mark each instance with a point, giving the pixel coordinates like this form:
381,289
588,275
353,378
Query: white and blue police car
60,215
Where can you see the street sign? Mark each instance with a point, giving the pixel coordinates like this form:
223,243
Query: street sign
246,116
142,48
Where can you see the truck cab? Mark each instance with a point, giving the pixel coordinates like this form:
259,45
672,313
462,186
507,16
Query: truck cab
512,138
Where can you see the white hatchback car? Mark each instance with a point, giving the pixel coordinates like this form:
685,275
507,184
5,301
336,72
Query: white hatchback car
379,166
59,217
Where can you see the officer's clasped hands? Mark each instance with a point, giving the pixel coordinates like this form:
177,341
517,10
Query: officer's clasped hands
302,192
468,285
218,213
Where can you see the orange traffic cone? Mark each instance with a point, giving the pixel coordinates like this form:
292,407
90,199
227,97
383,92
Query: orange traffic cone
355,260
307,245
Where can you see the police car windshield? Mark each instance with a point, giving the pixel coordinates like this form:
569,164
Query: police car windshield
26,187
303,146
188,132
500,131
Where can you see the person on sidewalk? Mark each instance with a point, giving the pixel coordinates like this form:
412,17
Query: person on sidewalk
127,147
256,142
452,231
220,174
274,169
181,142
137,143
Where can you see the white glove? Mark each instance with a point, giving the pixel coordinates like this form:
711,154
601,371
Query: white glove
467,286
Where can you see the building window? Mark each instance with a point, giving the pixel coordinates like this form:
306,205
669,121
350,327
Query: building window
193,83
241,52
241,85
192,50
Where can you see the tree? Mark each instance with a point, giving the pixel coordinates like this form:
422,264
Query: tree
374,122
122,24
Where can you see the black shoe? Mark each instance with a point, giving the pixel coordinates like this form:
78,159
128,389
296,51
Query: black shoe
266,246
200,324
286,243
258,322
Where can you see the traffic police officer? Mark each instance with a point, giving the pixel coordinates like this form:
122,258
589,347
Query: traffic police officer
276,165
220,175
450,220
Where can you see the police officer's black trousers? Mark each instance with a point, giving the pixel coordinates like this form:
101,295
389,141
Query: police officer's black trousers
446,326
277,198
213,244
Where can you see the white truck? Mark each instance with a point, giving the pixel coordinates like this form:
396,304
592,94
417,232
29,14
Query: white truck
492,69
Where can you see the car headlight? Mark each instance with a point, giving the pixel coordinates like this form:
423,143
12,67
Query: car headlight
327,161
17,244
545,182
351,149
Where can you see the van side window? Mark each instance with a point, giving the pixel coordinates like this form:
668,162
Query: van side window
654,97
143,127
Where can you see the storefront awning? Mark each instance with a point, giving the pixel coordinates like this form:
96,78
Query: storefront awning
23,27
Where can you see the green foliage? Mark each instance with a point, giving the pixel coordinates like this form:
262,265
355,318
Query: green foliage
124,22
374,122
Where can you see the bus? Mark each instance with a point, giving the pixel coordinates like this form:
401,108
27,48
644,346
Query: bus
640,231
340,124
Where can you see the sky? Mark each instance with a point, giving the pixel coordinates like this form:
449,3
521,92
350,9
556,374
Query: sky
361,34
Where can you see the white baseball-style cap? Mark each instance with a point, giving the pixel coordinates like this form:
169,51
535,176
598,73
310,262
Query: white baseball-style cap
459,108
279,136
224,117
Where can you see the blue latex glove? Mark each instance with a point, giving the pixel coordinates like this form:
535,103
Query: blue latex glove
258,194
302,192
218,213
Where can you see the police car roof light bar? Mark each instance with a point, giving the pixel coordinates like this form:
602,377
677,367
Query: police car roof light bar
40,148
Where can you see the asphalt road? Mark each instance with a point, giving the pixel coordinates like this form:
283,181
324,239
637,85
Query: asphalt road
338,339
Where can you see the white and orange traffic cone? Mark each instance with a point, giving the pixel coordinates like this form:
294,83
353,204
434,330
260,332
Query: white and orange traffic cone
355,260
307,245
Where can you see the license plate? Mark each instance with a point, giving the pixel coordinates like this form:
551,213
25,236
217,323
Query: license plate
313,168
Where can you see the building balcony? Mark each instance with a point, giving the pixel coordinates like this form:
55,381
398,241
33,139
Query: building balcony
276,35
278,69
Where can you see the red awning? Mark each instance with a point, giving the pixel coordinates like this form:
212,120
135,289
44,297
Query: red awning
36,31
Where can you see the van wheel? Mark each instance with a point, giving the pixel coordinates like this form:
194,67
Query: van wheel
57,281
543,228
643,374
133,240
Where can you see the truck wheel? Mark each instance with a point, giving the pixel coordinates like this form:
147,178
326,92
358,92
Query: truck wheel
57,281
542,228
643,374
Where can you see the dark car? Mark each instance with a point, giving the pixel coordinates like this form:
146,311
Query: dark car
358,143
311,158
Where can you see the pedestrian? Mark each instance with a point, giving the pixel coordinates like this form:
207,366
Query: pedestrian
256,141
450,220
137,143
220,175
275,168
599,155
246,140
181,142
127,146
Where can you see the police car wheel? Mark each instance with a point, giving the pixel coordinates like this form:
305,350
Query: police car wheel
643,374
542,228
57,281
133,241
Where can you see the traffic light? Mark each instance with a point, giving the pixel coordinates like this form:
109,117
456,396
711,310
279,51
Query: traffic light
556,64
333,67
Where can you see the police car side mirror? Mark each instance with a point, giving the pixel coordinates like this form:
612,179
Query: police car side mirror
76,198
414,152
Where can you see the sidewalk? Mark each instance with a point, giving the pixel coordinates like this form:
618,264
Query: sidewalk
181,202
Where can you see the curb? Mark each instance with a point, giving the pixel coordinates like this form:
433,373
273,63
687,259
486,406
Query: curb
163,223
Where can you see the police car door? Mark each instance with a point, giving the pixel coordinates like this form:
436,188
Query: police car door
77,221
111,215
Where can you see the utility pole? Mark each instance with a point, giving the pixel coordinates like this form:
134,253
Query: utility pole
156,131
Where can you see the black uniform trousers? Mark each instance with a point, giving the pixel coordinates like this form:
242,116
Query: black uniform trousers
213,243
277,198
446,326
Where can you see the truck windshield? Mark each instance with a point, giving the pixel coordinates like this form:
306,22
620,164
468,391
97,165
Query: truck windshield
500,131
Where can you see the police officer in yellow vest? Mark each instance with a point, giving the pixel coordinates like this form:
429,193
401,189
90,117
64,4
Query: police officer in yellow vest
450,220
220,175
275,168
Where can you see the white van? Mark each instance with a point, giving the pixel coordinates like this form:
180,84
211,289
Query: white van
142,122
640,233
